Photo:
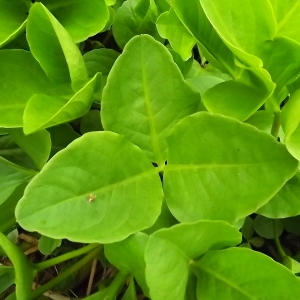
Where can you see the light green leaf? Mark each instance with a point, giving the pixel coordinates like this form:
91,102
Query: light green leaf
37,145
225,181
262,120
43,111
54,49
7,277
155,98
244,274
11,176
129,22
110,2
264,227
109,191
242,97
290,119
287,17
162,5
169,252
291,264
81,18
184,66
237,22
171,28
286,203
13,15
128,256
48,245
21,78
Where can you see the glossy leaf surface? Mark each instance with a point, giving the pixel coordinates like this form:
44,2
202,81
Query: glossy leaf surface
110,190
148,105
240,273
218,176
169,252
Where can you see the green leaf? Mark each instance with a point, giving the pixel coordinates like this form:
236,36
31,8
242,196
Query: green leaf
109,189
162,5
37,145
145,108
242,97
81,18
262,120
61,137
290,124
287,16
247,229
130,293
43,111
265,227
129,22
169,251
184,66
241,273
48,245
291,264
22,77
237,22
171,28
13,15
11,177
292,224
257,241
24,272
128,256
7,277
91,122
286,202
225,181
54,49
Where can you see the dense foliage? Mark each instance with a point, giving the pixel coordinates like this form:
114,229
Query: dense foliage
160,137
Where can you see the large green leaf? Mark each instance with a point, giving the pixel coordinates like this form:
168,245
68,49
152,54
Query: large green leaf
128,256
291,124
134,17
54,49
237,23
81,18
170,27
169,252
286,203
13,15
100,188
11,176
37,145
243,274
222,173
287,15
21,78
145,108
43,111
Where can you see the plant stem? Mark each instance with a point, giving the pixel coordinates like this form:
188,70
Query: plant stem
277,241
63,275
8,226
59,259
276,124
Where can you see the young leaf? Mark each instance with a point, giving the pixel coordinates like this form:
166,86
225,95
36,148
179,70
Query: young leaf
81,18
54,49
13,15
217,176
169,251
240,273
170,27
262,120
147,106
22,77
128,256
286,203
109,191
37,145
43,111
48,245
